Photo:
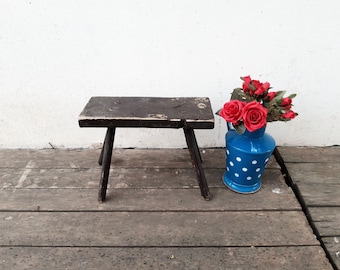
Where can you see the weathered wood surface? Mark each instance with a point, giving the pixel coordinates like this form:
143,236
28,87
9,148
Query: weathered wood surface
179,258
310,154
130,158
120,178
320,194
137,199
139,229
195,112
154,216
332,244
327,220
316,174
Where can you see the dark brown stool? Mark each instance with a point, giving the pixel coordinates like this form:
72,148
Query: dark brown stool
188,113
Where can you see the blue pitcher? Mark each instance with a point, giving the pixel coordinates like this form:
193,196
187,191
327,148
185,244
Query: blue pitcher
247,155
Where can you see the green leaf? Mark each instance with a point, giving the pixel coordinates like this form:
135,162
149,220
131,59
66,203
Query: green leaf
238,94
279,96
240,129
252,87
292,96
218,112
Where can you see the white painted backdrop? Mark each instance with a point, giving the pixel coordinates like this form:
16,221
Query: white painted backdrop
56,54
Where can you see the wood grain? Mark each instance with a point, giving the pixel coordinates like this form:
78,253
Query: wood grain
154,216
241,258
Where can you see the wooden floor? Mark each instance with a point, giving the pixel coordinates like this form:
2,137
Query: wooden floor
154,216
314,174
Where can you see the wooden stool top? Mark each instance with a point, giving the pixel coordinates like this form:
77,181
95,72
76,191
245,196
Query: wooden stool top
152,112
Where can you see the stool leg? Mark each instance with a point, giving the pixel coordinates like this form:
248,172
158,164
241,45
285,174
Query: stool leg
196,160
106,161
100,160
196,146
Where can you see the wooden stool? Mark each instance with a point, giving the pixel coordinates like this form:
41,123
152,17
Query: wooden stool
148,112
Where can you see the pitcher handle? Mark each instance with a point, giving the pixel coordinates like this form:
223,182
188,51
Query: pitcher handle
229,126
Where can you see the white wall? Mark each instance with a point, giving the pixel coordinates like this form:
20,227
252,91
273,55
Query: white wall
56,54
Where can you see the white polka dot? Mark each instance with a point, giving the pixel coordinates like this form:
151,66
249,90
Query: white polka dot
228,169
244,169
227,152
258,169
238,159
266,160
249,178
259,176
231,163
254,162
236,174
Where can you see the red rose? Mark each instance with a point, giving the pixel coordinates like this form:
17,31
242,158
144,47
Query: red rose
286,103
288,115
254,116
262,89
246,82
247,79
253,85
269,96
256,84
232,111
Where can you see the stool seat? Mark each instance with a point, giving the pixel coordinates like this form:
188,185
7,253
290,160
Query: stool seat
194,112
188,113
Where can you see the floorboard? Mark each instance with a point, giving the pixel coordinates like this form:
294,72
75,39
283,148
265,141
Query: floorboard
156,229
182,258
121,178
327,220
137,199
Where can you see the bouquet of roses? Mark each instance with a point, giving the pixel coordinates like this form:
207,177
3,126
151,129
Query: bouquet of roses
253,105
